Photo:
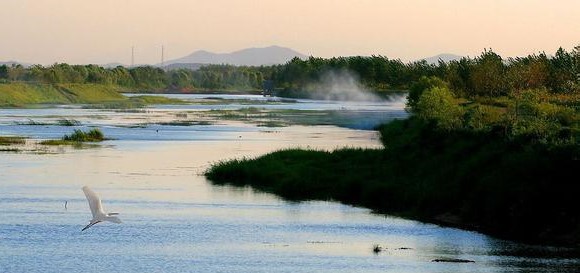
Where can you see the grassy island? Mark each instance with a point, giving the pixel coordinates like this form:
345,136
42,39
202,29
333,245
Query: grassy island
78,137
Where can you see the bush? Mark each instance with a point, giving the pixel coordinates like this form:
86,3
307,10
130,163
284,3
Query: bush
484,117
94,135
437,104
420,86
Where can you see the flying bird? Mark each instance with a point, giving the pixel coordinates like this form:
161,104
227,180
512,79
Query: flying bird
99,214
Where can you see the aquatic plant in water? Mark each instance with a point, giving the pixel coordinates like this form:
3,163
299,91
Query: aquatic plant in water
93,135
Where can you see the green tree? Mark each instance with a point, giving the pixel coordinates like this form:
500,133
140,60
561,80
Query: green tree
420,86
437,104
487,76
3,72
16,72
562,75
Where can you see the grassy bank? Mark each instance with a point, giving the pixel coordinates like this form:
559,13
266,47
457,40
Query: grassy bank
21,94
96,95
476,180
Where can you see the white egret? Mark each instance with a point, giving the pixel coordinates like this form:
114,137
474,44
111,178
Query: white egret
99,214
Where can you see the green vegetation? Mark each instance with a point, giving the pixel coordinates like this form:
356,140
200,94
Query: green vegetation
96,95
77,137
140,79
68,122
93,135
459,178
486,75
186,123
11,140
145,100
20,94
492,146
60,122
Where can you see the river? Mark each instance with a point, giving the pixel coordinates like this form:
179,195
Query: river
174,220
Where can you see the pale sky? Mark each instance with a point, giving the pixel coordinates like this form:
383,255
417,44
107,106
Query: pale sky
103,31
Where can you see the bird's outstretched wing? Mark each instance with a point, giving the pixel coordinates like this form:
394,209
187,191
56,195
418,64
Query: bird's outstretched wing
94,201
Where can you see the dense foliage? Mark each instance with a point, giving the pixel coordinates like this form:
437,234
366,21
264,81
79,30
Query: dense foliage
461,178
142,78
485,75
492,145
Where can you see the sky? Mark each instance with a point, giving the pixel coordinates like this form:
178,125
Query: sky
104,31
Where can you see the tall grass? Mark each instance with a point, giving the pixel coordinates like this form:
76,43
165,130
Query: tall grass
93,135
11,140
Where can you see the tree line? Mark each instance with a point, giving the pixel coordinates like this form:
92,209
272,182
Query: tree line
485,75
142,78
488,74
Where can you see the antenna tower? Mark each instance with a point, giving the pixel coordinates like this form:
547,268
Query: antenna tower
162,56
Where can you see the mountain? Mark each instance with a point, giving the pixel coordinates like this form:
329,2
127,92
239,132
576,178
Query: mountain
112,65
250,56
444,57
10,63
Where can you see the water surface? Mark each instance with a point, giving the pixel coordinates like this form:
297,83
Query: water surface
176,221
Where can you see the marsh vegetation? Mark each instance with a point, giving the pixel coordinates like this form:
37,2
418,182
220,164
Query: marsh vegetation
490,147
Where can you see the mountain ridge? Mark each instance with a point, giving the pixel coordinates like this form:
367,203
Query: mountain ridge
446,57
254,56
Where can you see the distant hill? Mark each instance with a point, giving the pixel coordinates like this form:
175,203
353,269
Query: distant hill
112,65
250,56
10,63
444,57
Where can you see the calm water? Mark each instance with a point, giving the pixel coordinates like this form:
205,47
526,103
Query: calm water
175,221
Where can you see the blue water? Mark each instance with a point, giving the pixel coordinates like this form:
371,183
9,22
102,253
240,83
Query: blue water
176,221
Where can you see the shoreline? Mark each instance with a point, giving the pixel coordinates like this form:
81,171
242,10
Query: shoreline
501,197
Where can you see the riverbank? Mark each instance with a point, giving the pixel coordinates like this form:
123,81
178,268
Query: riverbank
19,95
480,181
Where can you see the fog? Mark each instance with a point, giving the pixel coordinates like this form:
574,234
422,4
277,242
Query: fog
341,85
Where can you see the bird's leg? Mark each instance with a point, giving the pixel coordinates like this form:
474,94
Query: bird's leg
90,225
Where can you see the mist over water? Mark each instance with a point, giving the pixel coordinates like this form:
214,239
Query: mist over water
342,85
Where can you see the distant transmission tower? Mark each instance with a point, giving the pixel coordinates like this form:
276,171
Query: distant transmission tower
162,56
132,56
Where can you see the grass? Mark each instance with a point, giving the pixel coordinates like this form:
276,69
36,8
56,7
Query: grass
68,122
90,93
10,150
105,96
186,123
135,102
93,135
60,122
21,94
286,117
471,179
12,140
272,123
147,100
77,137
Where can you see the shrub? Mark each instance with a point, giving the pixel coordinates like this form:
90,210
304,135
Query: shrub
484,117
437,104
93,135
420,86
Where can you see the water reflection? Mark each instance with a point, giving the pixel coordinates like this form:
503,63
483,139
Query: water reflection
175,221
